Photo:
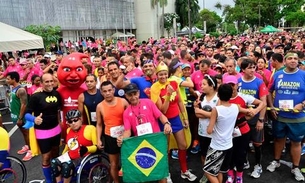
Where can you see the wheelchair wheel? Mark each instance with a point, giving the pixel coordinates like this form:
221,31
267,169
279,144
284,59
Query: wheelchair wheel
16,173
99,174
94,162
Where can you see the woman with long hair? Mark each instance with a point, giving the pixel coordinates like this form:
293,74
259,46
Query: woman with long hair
166,95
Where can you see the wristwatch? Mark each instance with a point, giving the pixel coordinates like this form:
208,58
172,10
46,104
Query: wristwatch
261,120
167,123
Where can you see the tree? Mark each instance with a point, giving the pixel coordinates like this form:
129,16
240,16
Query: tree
162,4
211,18
50,34
182,11
168,21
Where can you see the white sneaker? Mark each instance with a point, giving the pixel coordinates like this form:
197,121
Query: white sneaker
297,174
273,165
257,171
168,179
188,175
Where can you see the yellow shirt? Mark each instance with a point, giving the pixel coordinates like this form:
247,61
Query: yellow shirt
5,140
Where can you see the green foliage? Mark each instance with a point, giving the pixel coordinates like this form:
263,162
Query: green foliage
168,21
182,11
50,34
198,35
214,34
211,18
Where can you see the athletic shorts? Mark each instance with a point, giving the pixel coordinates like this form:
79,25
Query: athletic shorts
204,145
176,124
217,161
256,136
111,145
46,145
294,131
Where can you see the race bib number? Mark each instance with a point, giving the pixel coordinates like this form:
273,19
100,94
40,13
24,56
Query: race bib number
116,131
64,158
144,129
93,116
286,104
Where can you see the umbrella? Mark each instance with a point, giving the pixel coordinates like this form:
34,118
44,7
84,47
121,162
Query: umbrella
269,28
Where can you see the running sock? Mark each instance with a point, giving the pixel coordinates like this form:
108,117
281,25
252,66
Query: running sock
47,172
258,154
231,173
295,166
182,160
277,160
239,174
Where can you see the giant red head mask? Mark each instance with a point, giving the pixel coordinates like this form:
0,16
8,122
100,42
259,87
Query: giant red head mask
71,72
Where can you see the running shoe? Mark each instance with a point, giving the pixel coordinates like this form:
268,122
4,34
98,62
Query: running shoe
230,179
168,178
23,150
195,149
257,171
297,174
28,156
120,173
273,165
239,180
188,175
175,154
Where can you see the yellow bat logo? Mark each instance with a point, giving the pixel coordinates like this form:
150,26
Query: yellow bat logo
51,99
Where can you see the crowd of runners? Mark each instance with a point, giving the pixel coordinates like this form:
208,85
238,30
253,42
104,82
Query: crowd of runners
224,90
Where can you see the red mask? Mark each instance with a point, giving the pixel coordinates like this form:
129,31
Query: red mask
71,72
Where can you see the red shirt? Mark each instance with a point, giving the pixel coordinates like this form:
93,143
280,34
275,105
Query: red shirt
173,108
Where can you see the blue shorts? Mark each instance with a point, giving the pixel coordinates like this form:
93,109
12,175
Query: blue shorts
6,162
294,131
176,124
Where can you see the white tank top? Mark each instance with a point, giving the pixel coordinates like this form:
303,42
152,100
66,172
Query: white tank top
204,122
224,126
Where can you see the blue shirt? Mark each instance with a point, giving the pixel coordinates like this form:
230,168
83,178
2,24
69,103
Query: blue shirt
143,85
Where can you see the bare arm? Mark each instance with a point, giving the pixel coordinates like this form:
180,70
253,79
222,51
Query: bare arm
120,83
187,83
263,110
99,125
212,121
80,100
126,104
23,96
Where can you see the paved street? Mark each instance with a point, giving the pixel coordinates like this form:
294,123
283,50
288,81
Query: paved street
281,175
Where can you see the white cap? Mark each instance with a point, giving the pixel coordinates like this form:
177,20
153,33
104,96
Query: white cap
234,47
172,52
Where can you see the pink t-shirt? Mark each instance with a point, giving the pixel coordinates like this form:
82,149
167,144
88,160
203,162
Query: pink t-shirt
33,71
147,111
134,73
198,76
12,68
31,90
238,75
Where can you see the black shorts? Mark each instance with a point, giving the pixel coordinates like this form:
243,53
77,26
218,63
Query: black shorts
217,161
111,145
204,145
256,136
46,145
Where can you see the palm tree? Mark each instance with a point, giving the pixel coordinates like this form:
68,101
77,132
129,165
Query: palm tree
162,4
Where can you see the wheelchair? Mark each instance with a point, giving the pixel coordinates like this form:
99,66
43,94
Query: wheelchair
16,173
94,168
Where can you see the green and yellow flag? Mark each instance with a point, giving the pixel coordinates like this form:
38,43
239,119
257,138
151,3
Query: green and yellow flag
144,158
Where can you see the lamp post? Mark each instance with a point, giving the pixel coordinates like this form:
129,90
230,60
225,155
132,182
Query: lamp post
189,17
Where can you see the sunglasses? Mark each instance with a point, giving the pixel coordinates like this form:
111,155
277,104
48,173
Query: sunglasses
73,121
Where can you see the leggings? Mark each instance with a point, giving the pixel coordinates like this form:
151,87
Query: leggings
240,146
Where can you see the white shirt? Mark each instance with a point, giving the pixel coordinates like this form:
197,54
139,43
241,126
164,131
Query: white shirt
224,126
204,122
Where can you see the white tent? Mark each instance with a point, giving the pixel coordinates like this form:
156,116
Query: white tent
12,38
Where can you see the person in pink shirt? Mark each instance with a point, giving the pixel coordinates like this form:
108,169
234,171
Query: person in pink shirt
131,71
31,70
230,65
23,71
35,85
261,69
13,67
197,76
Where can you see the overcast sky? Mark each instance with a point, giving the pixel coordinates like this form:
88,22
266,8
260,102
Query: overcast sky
211,3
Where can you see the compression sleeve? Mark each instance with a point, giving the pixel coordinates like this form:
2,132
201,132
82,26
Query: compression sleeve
90,134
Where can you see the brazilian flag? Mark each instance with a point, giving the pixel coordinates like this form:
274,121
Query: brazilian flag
144,158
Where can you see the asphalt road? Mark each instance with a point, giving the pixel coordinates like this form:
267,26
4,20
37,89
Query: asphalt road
281,175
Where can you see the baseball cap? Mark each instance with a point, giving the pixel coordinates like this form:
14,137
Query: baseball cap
234,47
177,65
47,56
23,61
185,66
279,45
131,88
229,79
172,52
59,52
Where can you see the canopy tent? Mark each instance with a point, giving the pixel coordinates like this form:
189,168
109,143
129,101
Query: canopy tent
185,31
269,29
12,38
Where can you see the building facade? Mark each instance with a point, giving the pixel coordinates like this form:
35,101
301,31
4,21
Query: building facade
84,18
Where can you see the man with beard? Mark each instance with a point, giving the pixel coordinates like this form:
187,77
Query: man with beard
144,83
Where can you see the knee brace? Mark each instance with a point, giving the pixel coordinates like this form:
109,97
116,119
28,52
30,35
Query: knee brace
55,163
67,169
